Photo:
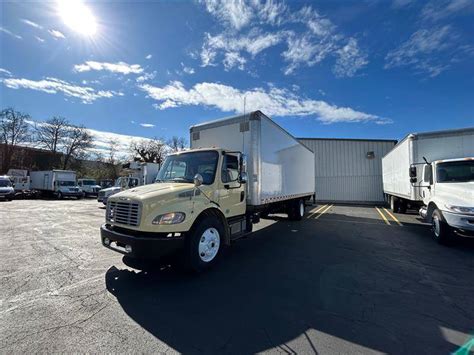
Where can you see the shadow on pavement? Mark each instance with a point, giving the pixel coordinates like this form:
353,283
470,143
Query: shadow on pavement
319,289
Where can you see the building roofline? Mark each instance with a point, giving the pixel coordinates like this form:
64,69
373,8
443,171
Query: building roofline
348,139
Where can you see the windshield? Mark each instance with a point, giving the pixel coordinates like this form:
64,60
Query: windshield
5,183
89,182
182,167
455,171
66,183
125,182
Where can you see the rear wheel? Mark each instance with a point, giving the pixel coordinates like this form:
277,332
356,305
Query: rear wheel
442,232
204,244
394,204
402,206
296,210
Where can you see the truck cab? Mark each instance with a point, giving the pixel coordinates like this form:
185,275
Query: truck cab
448,196
67,188
89,187
121,184
198,193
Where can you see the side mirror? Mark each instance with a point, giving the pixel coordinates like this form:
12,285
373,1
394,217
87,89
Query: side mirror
413,180
412,172
243,178
198,180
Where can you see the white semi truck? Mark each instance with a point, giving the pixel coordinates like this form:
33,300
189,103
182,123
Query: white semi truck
435,172
135,174
205,198
60,183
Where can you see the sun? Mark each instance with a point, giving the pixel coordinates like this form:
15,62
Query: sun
77,16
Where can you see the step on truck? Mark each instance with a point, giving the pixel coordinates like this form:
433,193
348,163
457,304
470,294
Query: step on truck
434,172
205,198
58,183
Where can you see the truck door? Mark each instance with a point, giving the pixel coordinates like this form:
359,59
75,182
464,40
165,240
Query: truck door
427,189
232,192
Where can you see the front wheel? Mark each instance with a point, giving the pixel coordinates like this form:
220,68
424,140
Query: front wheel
204,244
442,232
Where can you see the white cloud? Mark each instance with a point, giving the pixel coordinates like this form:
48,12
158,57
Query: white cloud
39,39
149,56
31,23
436,10
235,46
5,72
102,142
188,70
119,67
309,36
147,125
10,33
274,101
350,60
146,77
56,34
424,49
236,13
54,86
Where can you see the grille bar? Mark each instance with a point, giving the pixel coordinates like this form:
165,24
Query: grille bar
127,213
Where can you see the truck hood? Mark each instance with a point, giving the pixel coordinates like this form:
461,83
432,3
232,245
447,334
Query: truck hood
111,189
458,193
154,190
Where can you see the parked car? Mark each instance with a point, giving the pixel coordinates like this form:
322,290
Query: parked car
7,192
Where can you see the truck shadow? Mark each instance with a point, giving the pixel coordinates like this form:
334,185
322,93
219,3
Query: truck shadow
296,293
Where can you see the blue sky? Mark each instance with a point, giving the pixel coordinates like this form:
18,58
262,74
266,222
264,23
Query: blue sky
356,69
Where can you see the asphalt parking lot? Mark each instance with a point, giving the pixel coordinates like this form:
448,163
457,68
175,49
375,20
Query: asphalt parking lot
343,280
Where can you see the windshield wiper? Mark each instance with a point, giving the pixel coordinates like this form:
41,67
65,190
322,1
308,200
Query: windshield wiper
181,179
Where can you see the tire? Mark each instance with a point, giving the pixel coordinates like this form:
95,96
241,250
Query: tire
60,195
402,206
204,244
394,204
296,212
442,232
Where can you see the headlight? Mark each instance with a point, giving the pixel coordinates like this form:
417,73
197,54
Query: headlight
169,218
460,209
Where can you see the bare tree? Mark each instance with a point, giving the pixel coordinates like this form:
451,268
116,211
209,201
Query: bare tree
52,133
149,150
177,143
112,161
13,131
76,143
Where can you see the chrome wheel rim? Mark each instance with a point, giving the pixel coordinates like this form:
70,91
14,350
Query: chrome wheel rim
209,244
436,226
301,209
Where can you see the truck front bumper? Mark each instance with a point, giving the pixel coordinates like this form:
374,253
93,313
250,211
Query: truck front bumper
140,245
459,221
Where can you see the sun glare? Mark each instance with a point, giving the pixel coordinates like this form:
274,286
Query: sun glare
77,16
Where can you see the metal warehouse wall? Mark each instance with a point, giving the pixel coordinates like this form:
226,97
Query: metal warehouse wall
343,171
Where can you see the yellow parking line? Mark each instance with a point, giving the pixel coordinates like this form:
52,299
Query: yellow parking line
323,212
313,213
393,217
383,217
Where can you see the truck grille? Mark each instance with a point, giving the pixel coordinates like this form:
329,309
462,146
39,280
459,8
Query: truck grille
123,212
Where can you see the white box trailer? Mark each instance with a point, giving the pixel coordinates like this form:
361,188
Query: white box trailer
279,167
434,170
61,183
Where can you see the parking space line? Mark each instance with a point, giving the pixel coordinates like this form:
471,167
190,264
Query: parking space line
393,217
383,217
317,210
323,212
